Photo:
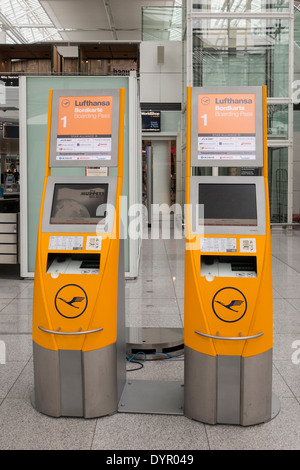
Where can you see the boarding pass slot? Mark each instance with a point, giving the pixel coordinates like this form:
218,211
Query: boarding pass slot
70,263
228,266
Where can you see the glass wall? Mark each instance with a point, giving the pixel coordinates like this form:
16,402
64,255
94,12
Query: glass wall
242,52
278,183
33,144
162,23
278,122
241,6
250,43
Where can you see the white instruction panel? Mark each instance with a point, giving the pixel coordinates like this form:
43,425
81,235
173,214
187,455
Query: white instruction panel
93,243
248,245
69,243
218,245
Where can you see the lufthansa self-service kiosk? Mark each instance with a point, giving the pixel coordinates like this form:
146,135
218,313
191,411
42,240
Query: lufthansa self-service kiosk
78,303
228,273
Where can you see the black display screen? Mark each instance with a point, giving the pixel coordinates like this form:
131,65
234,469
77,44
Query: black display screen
77,203
228,204
151,121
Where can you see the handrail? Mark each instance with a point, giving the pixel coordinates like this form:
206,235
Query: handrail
69,333
231,338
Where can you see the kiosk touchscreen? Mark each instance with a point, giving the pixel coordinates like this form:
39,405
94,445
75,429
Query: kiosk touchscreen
78,303
228,273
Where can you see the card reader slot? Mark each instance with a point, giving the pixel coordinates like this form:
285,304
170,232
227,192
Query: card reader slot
242,267
89,264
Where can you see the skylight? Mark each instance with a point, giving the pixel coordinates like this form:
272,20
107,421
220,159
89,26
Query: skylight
25,21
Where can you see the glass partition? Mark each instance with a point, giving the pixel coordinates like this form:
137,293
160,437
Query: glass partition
278,184
37,95
241,6
249,43
297,26
242,52
278,121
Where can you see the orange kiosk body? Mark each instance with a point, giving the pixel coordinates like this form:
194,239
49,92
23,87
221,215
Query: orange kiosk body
228,326
78,303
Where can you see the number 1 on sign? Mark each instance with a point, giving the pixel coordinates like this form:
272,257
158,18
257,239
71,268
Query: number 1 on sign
204,117
64,120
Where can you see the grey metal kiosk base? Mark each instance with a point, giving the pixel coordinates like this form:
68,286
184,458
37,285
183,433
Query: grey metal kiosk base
229,389
76,383
152,397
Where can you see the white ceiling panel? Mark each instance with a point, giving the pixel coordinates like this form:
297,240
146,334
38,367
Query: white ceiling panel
34,21
125,36
98,20
76,14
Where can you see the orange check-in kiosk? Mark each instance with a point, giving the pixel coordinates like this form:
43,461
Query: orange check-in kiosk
228,272
78,303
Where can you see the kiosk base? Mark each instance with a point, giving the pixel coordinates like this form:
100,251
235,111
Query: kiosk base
229,389
153,397
76,383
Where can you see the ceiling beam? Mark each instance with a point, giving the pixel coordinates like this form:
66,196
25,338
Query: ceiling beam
7,26
110,19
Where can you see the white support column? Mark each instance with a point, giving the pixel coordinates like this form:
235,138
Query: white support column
161,172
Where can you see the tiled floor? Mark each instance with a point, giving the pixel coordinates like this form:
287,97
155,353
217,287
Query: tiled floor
155,299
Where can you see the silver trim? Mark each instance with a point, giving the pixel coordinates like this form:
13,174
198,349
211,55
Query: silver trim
69,333
231,338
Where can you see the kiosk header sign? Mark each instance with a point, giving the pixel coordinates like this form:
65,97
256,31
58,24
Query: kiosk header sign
226,126
84,128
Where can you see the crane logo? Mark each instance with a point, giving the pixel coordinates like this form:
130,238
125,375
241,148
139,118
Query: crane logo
229,304
71,301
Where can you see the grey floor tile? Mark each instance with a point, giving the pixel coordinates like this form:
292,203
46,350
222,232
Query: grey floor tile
288,291
158,287
279,385
292,259
147,431
26,293
15,323
154,299
22,427
290,373
286,318
9,373
23,387
11,292
21,306
4,303
154,306
166,321
282,432
18,346
295,303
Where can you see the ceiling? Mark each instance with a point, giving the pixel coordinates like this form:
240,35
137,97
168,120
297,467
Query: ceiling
75,21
